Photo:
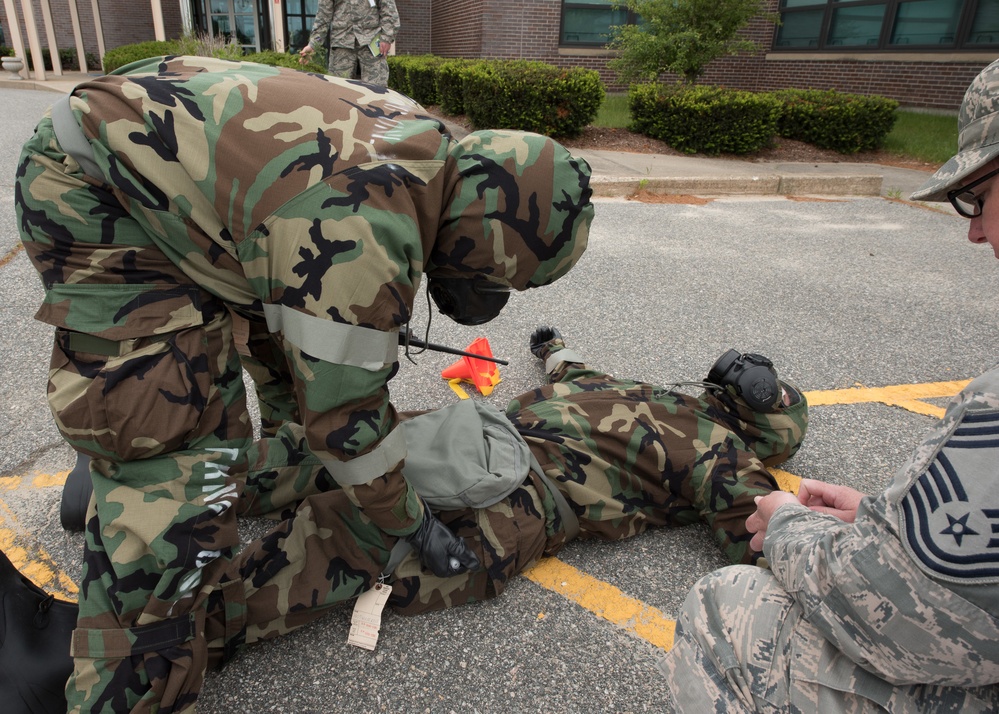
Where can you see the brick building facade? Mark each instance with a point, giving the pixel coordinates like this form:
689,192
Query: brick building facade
532,29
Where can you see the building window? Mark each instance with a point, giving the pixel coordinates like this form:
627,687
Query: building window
299,18
887,25
588,23
230,20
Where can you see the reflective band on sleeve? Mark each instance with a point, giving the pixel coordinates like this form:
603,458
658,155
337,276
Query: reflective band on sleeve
334,342
72,139
562,356
374,464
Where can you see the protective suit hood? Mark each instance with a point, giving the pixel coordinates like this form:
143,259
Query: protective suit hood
518,210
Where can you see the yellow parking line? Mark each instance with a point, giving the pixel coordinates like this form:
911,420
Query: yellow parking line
905,396
604,600
31,559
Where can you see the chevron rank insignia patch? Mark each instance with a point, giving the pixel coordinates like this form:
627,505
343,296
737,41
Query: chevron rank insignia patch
950,514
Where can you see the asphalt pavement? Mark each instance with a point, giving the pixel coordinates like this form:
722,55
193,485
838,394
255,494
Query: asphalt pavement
850,294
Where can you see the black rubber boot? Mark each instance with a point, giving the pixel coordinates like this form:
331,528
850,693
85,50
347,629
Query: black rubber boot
541,336
76,494
35,633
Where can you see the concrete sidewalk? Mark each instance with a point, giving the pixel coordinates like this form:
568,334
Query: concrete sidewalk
617,173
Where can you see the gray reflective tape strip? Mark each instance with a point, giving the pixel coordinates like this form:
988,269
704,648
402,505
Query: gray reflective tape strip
334,342
562,356
364,469
399,551
72,140
569,521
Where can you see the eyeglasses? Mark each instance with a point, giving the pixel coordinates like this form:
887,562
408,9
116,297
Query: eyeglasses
964,200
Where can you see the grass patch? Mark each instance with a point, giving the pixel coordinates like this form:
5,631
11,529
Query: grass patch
614,112
926,137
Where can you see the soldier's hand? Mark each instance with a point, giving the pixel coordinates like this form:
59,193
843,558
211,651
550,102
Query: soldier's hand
765,506
839,501
441,551
304,54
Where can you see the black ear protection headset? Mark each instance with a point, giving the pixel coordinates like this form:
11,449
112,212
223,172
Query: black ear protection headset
751,375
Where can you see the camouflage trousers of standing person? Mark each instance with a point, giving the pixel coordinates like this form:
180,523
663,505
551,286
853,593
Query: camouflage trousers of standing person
744,645
357,62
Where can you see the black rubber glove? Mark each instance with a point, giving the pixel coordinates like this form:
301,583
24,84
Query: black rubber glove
541,336
440,550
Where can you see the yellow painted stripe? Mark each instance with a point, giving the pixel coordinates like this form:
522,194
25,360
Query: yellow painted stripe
32,560
604,601
905,396
787,481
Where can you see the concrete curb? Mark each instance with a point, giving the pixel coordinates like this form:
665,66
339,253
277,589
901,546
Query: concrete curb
764,185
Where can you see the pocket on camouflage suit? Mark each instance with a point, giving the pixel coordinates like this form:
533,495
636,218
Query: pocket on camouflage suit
147,400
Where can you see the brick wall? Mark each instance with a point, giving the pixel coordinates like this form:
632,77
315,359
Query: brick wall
124,22
415,30
530,28
457,28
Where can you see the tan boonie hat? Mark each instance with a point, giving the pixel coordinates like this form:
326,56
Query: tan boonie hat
977,137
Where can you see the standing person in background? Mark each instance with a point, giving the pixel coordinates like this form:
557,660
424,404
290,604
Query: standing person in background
360,34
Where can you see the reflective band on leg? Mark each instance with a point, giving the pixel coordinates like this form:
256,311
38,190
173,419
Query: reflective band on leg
374,464
562,356
334,342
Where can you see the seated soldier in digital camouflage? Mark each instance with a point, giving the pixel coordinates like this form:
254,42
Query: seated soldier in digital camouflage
587,455
873,603
158,201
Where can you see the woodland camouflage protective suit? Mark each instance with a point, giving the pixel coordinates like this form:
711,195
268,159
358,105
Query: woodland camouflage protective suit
310,203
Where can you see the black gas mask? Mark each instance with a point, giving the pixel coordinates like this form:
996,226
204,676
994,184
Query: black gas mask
468,301
751,375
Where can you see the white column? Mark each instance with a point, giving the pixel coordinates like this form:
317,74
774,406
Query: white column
99,28
33,42
81,52
50,36
14,27
277,26
186,21
158,26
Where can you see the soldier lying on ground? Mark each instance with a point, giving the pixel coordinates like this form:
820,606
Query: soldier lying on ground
588,454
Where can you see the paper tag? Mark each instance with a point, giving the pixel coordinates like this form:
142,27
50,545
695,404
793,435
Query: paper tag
367,617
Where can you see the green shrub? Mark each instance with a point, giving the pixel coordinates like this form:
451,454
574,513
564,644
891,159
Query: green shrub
67,58
422,76
450,84
202,44
6,51
846,123
126,54
399,73
705,119
283,59
531,96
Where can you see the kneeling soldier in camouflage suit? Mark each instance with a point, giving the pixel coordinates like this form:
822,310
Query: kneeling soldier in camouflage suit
600,458
884,603
157,200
